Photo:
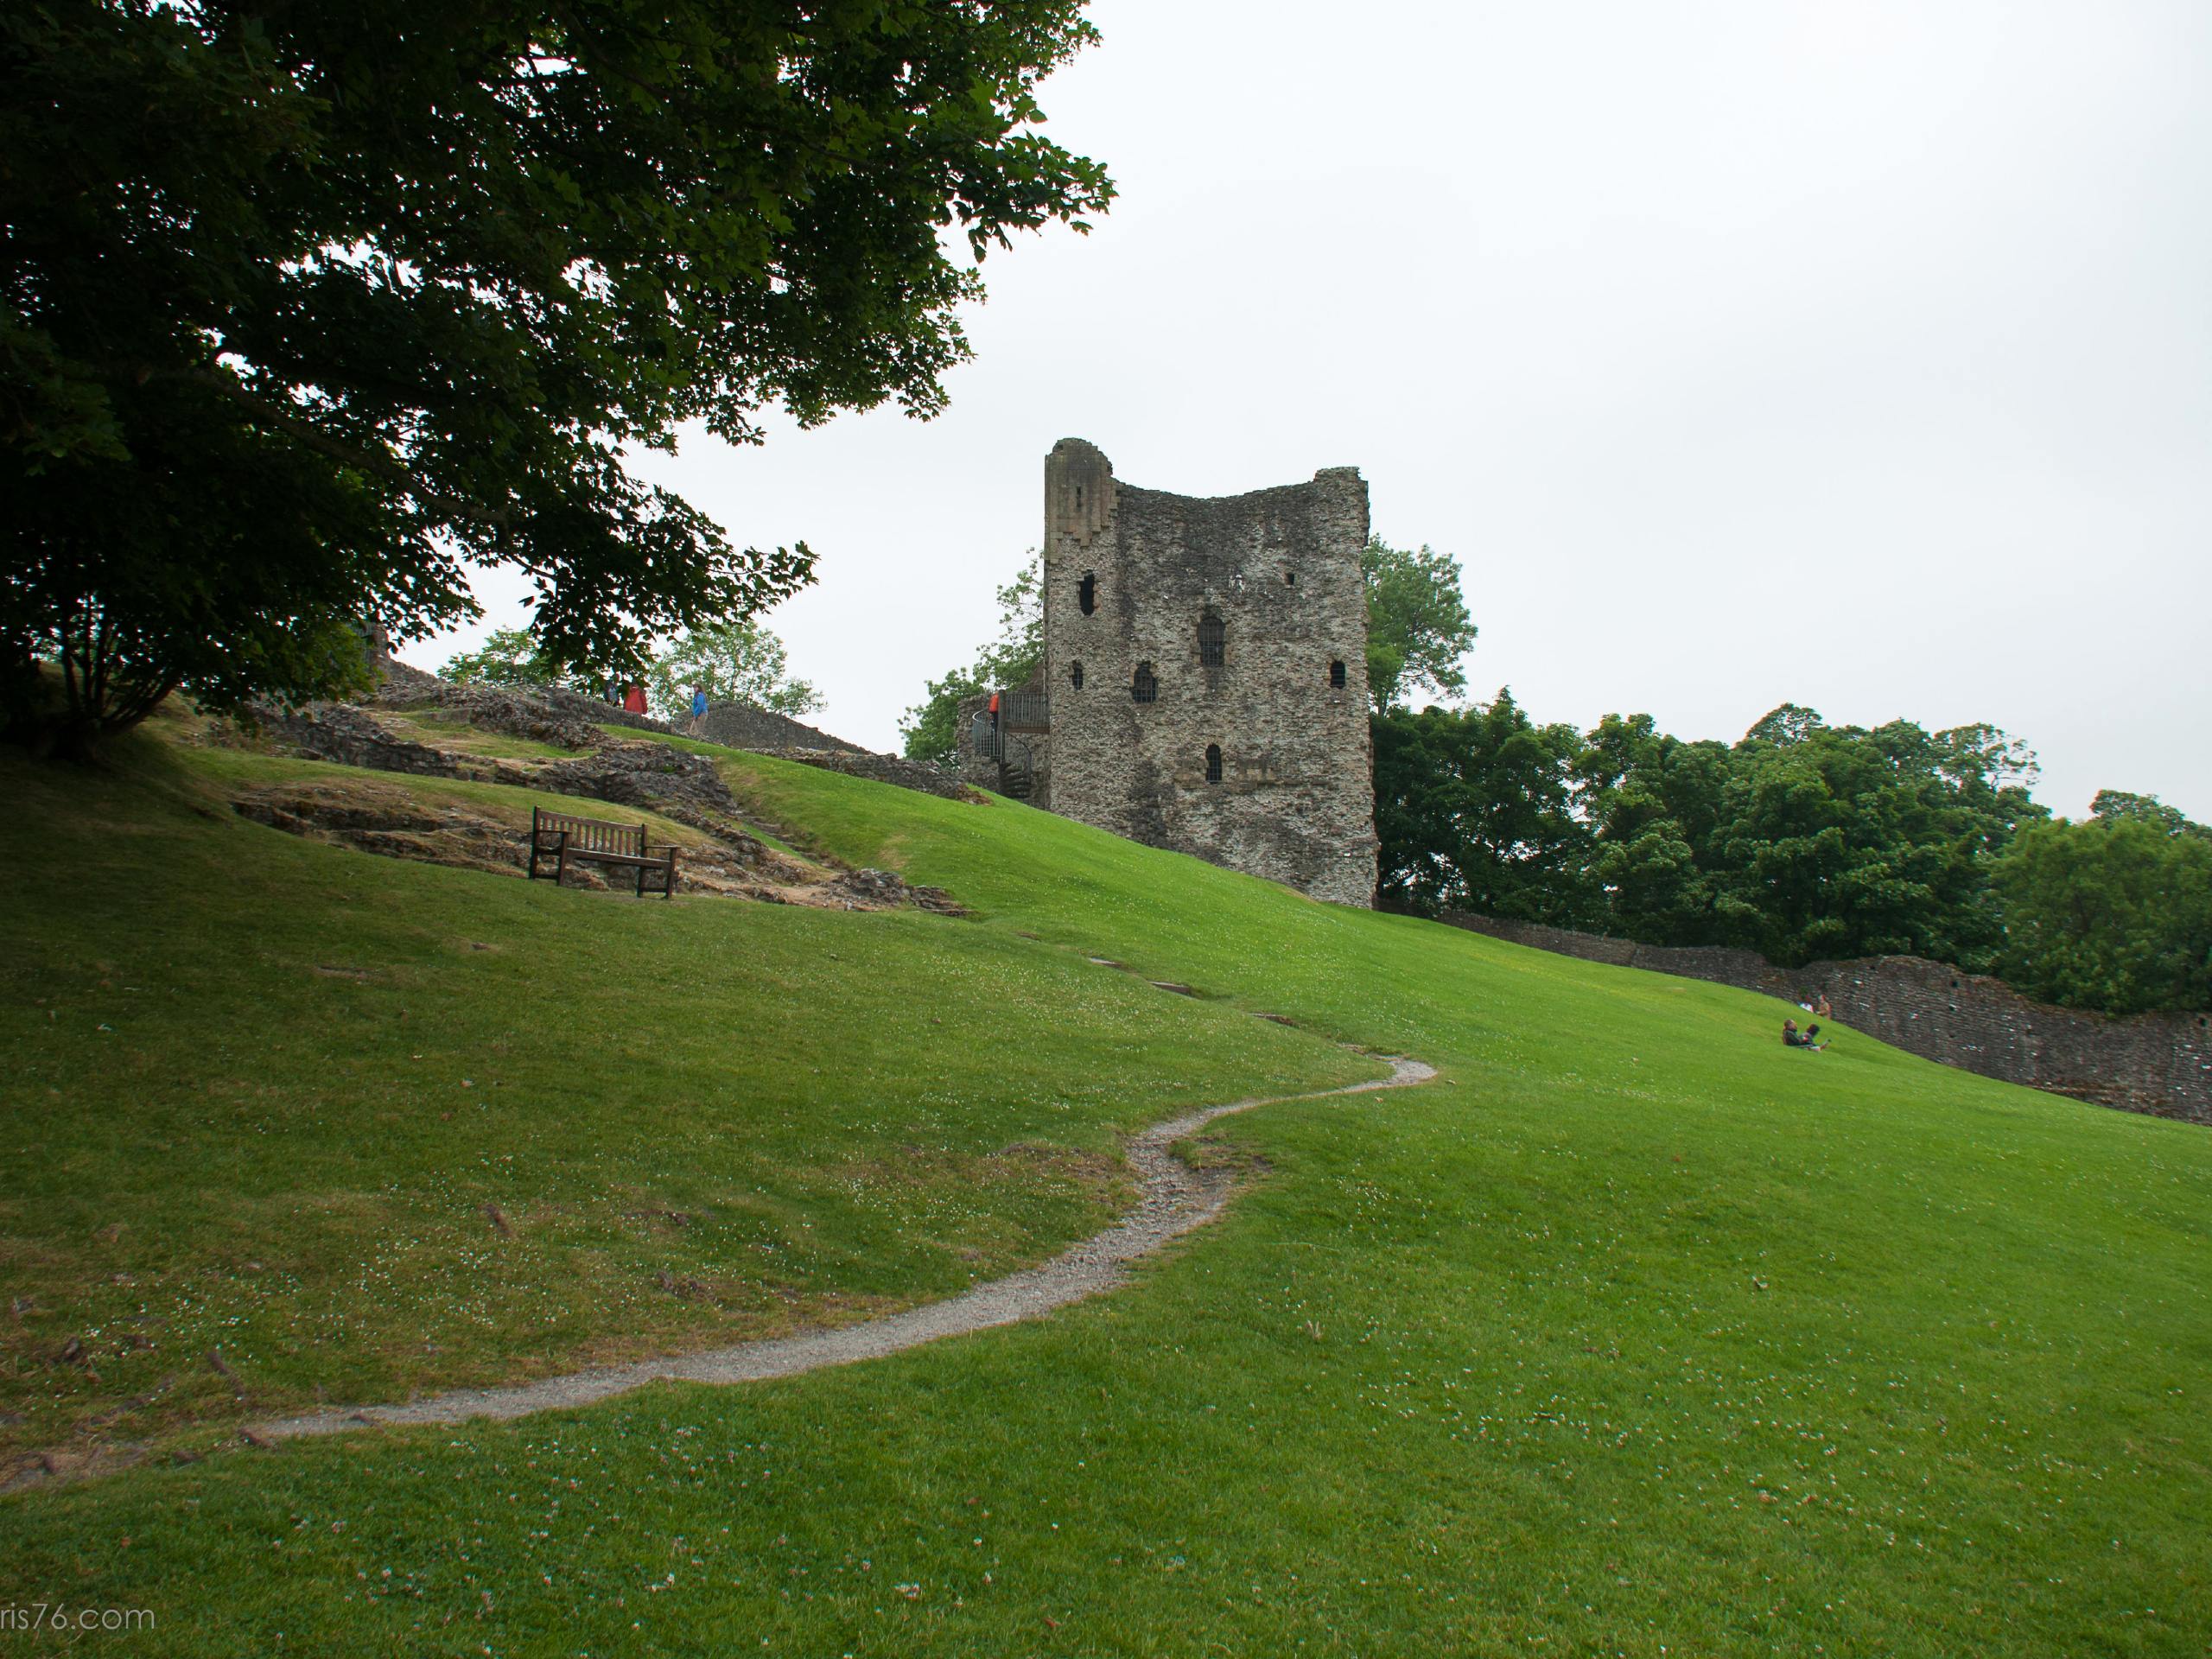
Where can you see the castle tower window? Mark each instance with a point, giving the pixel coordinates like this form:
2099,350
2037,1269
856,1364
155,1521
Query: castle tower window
1213,763
1144,687
1086,593
1213,641
1337,674
1075,675
1290,578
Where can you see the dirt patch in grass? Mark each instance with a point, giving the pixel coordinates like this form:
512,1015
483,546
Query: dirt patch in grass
390,819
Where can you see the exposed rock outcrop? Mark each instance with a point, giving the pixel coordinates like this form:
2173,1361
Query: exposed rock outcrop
675,783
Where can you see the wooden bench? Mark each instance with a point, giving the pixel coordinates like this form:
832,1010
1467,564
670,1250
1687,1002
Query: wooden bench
556,837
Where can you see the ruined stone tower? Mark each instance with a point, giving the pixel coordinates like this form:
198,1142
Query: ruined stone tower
1205,679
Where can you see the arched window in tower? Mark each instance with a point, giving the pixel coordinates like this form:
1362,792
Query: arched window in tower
1213,641
1086,593
1144,687
1337,674
1213,763
1075,674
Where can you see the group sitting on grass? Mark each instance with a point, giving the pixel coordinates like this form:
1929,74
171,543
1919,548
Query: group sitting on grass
1808,1038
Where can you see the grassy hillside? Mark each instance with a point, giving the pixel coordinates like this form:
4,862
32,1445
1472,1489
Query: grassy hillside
1634,1333
262,1091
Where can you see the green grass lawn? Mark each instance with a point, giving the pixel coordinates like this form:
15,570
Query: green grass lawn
1634,1333
262,1091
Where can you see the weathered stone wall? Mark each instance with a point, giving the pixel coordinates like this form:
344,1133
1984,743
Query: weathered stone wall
736,725
405,687
741,726
882,768
1280,570
2158,1062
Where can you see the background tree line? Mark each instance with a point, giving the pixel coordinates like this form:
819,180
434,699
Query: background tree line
1801,839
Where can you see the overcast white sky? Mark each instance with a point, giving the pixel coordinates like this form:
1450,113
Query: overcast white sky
1852,354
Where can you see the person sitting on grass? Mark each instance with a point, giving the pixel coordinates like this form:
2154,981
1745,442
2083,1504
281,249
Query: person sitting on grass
1805,1039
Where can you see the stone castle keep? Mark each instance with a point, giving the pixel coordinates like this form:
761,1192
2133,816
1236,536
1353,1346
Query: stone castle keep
1205,680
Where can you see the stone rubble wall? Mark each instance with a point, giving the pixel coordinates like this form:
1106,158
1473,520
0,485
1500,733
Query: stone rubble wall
344,735
556,715
560,714
673,782
545,714
741,726
2155,1063
883,769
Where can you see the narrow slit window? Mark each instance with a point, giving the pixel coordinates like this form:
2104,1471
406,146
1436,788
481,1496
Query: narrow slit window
1086,593
1144,687
1213,641
1075,675
1213,763
1337,674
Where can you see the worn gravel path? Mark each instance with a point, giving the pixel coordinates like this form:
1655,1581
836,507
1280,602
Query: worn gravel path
1175,1199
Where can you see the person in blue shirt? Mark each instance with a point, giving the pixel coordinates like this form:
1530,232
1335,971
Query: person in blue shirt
698,705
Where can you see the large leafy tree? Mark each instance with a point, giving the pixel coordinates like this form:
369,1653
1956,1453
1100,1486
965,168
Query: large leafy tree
1809,839
732,662
1474,811
2112,914
2114,805
507,657
307,309
1418,629
1651,802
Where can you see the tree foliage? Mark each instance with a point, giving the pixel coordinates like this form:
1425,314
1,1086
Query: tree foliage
732,662
1802,840
2114,913
507,657
305,310
1418,629
930,728
1846,842
1474,809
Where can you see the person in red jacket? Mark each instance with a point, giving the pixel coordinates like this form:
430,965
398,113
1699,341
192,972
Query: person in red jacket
634,700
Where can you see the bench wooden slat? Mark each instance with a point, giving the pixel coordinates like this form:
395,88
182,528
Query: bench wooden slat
600,840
